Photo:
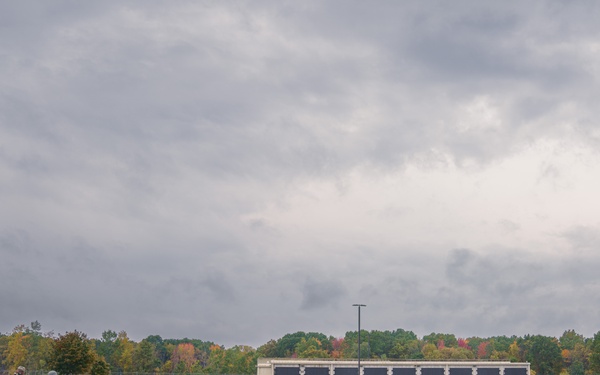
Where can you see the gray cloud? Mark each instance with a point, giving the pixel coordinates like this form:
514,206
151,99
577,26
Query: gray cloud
320,294
160,177
583,238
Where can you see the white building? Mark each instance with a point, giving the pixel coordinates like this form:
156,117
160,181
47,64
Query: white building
294,366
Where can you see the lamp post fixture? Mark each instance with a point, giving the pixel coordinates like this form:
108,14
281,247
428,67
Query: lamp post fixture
359,306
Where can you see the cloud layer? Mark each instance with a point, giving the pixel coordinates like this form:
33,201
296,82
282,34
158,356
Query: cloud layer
234,172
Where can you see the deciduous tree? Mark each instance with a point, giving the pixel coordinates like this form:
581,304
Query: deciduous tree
144,358
407,350
514,352
16,351
216,360
311,348
268,350
482,350
183,358
241,359
434,338
337,344
430,351
287,344
462,343
72,354
595,354
580,356
100,367
123,355
544,354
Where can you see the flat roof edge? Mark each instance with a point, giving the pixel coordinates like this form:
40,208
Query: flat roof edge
266,362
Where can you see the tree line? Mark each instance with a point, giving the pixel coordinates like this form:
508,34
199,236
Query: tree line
75,353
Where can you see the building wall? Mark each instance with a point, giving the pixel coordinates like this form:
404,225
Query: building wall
274,366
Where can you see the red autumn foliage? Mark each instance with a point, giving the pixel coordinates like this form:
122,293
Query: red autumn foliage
462,343
482,349
337,343
441,345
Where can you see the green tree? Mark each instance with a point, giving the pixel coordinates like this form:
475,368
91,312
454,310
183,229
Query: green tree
569,339
580,355
16,353
595,354
72,354
322,338
350,345
499,355
577,368
25,346
544,354
381,343
311,348
170,348
461,353
241,359
106,347
160,349
144,357
268,350
431,352
167,367
406,350
123,355
455,354
100,367
216,361
501,343
43,348
515,353
401,335
287,344
37,347
448,339
3,347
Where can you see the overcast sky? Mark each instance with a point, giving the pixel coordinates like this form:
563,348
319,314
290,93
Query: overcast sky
233,171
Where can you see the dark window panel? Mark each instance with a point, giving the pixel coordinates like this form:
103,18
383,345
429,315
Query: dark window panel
287,370
316,371
375,370
346,371
432,371
488,371
404,371
461,371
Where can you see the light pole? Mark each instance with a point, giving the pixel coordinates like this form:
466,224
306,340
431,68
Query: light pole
359,306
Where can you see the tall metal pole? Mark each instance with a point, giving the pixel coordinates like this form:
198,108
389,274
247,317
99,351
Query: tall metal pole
359,306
